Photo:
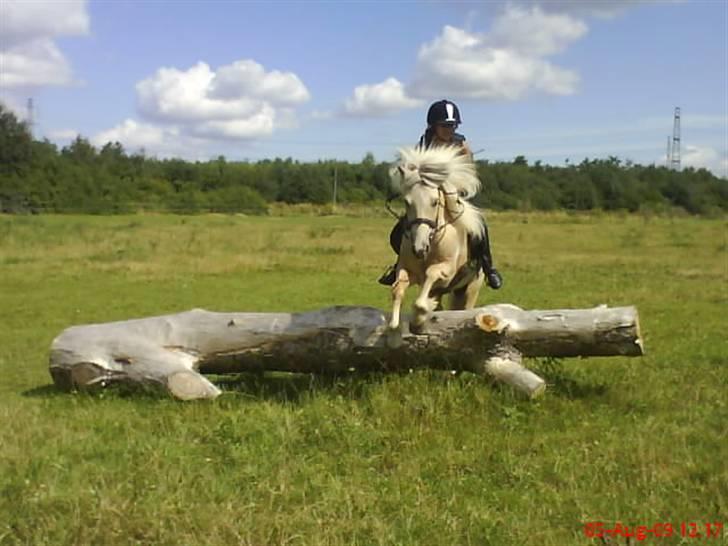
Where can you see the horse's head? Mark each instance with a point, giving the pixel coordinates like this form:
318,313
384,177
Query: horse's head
423,217
432,182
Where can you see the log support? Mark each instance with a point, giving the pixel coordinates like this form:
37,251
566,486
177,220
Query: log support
174,352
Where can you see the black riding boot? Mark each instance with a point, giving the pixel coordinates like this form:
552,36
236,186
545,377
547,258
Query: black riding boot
481,249
395,241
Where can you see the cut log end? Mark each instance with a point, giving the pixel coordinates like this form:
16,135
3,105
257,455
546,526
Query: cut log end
508,369
638,336
487,323
189,385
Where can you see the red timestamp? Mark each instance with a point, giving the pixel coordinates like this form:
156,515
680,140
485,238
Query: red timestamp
599,529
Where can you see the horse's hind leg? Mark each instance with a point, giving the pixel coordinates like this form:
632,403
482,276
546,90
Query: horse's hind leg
457,300
467,297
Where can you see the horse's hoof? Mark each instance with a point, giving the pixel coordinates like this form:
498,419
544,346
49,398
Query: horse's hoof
394,338
421,307
418,327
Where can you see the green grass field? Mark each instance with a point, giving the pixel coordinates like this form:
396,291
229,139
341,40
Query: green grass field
419,459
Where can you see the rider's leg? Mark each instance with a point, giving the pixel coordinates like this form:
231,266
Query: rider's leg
482,251
395,241
395,237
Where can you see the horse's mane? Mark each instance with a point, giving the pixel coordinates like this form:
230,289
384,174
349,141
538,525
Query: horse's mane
442,166
437,165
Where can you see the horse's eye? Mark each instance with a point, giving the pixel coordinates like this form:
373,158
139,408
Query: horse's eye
434,202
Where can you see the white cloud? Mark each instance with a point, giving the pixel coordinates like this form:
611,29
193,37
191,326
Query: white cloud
705,157
248,78
379,99
62,135
173,95
261,123
24,20
239,101
503,65
164,142
34,64
134,135
535,33
600,9
705,121
508,62
188,112
28,55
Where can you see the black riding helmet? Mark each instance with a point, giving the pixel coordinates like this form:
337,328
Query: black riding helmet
443,111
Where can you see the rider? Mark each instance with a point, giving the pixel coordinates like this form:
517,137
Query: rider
443,118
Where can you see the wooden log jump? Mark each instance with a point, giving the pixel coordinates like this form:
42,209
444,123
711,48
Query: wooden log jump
175,351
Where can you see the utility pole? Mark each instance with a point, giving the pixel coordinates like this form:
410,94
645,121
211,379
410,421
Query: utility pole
30,117
336,181
675,156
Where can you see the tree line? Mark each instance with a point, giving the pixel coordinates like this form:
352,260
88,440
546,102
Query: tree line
35,176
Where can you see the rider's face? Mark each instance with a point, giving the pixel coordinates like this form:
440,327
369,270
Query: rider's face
445,131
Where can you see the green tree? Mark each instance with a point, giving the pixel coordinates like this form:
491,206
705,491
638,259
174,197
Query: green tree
16,143
80,151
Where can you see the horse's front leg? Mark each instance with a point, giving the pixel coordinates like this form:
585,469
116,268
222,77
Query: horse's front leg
398,289
425,304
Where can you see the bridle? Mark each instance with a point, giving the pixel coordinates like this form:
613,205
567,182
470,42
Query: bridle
434,225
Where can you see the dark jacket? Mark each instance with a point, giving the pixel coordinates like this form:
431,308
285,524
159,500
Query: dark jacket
426,139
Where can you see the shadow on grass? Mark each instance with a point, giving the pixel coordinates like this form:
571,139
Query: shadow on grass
292,388
560,383
289,388
44,391
272,386
567,387
113,390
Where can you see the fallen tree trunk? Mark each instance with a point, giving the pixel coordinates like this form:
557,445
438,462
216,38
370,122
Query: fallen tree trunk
173,351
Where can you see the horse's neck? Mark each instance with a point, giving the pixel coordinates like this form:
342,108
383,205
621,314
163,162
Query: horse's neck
450,220
451,217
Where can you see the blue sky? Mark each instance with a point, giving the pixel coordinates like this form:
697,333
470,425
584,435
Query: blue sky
549,79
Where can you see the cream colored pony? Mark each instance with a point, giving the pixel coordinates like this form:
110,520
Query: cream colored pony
436,184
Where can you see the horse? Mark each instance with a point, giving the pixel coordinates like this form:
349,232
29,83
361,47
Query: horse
436,184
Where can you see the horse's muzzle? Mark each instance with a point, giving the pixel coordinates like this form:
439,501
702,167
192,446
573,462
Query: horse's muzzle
421,253
421,245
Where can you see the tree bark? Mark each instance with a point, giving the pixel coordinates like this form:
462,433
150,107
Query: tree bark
174,351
